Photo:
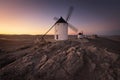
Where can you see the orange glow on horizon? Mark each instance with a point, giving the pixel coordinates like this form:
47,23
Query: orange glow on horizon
10,24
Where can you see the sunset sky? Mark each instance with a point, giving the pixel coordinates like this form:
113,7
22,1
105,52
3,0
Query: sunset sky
36,16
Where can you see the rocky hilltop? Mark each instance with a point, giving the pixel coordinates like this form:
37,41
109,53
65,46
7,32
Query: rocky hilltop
86,59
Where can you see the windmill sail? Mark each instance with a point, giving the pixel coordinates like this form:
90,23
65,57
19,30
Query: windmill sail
69,13
72,27
56,18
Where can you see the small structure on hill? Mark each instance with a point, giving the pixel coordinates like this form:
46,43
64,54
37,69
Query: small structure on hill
80,35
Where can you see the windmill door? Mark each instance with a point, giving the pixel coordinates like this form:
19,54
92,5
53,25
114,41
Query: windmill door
56,36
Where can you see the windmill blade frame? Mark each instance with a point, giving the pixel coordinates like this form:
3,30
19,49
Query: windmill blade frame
69,13
72,27
56,18
42,37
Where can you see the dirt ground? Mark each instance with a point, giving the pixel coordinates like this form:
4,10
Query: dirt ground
74,59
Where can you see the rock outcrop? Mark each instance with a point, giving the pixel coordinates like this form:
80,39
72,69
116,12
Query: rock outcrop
64,60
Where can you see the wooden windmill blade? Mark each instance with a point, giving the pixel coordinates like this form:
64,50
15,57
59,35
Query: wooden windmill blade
69,13
72,27
56,18
43,36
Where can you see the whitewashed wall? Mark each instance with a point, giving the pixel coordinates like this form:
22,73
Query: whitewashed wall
61,29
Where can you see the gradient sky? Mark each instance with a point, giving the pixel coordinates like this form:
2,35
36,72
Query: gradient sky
36,16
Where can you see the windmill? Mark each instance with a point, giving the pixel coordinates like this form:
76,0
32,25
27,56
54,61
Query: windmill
61,27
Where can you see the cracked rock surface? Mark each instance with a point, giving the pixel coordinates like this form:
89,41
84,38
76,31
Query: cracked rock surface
63,60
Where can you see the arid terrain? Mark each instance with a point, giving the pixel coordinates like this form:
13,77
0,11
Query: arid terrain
74,59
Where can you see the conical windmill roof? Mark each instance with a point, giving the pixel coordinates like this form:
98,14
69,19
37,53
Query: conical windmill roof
61,20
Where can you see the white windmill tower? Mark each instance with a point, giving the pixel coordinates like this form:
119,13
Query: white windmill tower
61,30
61,27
